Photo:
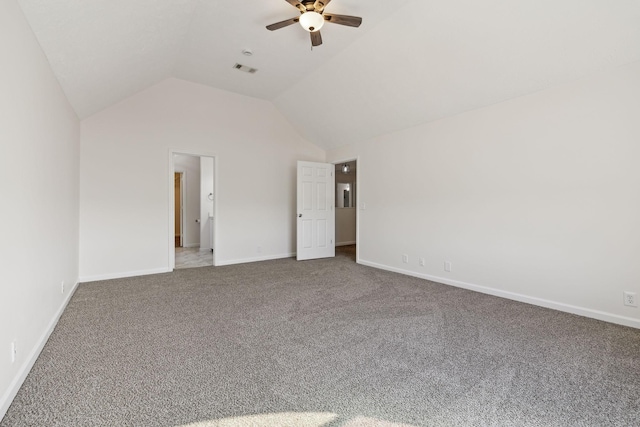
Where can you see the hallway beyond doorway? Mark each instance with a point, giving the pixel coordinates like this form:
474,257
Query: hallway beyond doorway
347,251
193,257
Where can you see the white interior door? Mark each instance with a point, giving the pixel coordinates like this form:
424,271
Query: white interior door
316,218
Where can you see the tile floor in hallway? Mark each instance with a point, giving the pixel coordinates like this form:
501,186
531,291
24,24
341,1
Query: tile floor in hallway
193,257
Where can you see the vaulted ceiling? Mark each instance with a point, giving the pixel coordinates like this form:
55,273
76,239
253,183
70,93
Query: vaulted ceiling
411,61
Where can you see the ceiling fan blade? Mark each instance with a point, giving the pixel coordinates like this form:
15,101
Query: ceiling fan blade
282,24
316,38
319,5
296,3
351,21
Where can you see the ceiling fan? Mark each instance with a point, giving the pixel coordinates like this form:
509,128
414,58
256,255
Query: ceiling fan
312,18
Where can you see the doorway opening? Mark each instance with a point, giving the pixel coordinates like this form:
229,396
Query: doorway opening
346,211
192,210
179,208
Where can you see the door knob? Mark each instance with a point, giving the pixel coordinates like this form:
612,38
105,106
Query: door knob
299,215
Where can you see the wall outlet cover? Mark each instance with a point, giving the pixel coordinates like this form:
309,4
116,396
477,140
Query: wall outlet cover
629,299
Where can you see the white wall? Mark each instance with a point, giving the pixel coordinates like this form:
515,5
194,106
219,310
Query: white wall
39,138
256,151
536,199
206,203
345,226
190,166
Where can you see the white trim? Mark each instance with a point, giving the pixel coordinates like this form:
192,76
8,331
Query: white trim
262,258
124,274
567,308
24,370
353,242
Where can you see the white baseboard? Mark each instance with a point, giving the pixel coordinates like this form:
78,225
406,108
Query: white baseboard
110,276
24,370
191,245
262,258
345,243
567,308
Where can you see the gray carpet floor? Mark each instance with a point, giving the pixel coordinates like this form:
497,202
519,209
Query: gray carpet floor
323,343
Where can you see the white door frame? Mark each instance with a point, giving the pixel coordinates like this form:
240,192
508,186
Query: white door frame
357,201
171,200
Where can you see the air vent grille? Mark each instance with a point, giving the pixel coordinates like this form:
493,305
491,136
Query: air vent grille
245,68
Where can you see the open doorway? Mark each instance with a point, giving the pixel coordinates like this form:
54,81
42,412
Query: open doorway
346,208
192,222
179,209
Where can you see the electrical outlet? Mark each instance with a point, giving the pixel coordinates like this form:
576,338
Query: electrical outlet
447,266
405,258
421,262
13,351
62,287
630,299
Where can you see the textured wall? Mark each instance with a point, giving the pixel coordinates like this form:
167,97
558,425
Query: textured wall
256,151
39,138
534,199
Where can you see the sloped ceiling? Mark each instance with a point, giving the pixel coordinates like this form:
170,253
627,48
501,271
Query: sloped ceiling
411,61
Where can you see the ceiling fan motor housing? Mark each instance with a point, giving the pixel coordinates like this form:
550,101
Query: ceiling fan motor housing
310,5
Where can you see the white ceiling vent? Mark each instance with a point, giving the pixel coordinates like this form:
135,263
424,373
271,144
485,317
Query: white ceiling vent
245,68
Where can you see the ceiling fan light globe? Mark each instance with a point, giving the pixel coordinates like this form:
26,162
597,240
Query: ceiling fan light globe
311,21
